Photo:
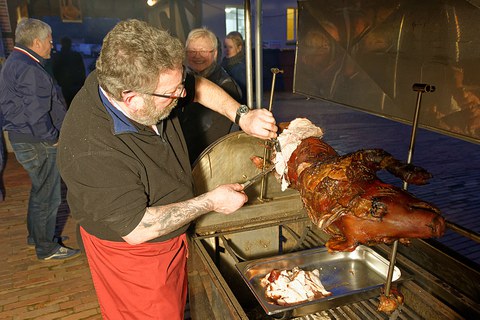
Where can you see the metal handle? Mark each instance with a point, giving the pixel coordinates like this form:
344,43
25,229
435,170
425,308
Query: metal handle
420,88
266,152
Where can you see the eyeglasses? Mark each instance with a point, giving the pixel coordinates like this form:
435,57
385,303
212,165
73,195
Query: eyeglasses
203,53
179,92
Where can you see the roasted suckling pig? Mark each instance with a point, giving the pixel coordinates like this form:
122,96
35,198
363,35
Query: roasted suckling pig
343,196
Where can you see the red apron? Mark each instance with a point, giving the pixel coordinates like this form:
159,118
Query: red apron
145,281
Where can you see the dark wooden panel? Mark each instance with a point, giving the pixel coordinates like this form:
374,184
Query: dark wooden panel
122,9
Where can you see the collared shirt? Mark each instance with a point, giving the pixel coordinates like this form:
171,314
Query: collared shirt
121,123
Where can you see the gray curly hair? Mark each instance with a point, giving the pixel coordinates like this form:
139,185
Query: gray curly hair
133,55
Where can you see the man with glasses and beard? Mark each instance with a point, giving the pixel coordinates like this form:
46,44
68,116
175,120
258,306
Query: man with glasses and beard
123,157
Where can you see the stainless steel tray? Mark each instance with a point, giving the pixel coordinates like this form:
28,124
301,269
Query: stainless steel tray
350,276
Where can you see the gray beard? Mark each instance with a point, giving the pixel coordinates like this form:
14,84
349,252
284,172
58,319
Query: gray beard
150,115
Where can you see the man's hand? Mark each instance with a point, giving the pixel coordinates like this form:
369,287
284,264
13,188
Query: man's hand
227,198
259,123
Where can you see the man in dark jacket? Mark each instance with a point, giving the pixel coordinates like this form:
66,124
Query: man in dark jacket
32,113
68,70
202,126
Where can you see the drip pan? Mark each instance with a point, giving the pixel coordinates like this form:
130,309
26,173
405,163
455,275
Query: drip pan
350,276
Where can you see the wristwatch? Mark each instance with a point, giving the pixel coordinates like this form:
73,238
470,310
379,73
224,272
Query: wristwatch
241,111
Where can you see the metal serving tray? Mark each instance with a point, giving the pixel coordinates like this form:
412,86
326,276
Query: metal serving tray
350,276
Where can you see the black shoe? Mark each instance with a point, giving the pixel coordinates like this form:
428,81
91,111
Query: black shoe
57,239
60,239
63,253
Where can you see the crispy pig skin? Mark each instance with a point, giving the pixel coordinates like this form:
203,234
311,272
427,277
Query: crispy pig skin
343,196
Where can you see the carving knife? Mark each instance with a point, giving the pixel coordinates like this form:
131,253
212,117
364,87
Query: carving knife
257,177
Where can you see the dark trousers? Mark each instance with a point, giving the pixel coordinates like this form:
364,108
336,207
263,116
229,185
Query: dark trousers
39,160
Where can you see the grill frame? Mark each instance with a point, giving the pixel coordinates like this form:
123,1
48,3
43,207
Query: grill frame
441,287
426,295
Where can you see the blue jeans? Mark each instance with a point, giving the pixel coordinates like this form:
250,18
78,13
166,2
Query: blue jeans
39,160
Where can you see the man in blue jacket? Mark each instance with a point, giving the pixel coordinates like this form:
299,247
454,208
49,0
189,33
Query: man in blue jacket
32,112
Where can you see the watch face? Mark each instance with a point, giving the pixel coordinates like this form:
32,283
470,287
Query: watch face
243,109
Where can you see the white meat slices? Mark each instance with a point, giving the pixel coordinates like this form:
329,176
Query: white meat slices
287,287
298,130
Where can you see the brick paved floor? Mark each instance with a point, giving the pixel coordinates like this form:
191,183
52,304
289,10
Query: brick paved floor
32,289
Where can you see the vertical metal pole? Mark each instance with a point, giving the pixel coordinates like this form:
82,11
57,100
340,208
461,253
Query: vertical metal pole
248,53
258,56
280,239
275,71
217,251
420,88
266,151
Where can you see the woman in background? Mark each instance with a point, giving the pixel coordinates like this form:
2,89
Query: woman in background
234,60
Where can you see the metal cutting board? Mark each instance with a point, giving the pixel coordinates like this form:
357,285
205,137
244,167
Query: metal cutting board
350,276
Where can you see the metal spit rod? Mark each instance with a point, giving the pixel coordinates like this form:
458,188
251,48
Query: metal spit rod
266,151
275,71
420,88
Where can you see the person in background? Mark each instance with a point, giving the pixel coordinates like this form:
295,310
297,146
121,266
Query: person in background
202,126
123,157
3,159
3,153
234,60
32,114
69,70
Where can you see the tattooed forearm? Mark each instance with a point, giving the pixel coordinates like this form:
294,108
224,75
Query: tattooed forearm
166,219
162,220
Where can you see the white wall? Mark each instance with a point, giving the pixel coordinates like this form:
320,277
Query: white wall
273,18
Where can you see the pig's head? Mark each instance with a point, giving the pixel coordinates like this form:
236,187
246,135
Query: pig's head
382,214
